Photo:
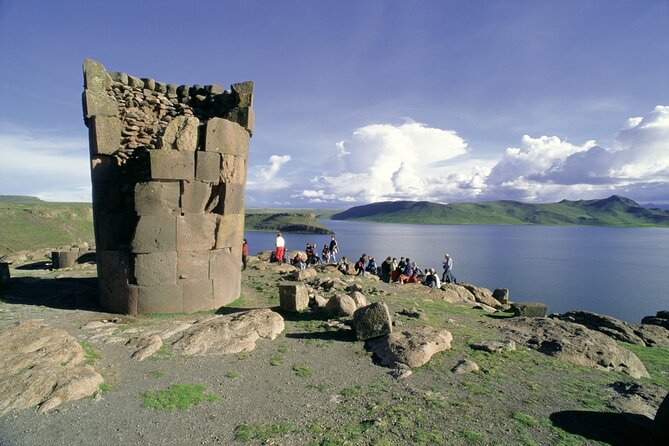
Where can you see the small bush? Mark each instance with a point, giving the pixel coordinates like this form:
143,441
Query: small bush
177,396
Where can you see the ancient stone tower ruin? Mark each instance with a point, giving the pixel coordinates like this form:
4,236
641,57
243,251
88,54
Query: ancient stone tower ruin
168,167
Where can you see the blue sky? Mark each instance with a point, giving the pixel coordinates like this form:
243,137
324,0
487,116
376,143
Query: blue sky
361,101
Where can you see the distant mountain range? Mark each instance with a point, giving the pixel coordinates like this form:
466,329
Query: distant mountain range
612,211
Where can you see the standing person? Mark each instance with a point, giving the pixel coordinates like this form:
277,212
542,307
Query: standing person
360,265
245,254
447,277
334,249
386,269
326,253
280,247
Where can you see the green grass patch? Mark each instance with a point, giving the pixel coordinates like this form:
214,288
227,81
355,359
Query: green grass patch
525,419
156,373
429,437
282,349
104,388
471,437
656,361
276,360
262,432
232,375
162,353
177,396
92,356
243,355
302,370
349,392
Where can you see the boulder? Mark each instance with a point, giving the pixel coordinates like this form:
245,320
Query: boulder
229,334
636,397
305,274
372,321
572,343
660,319
358,298
145,346
465,366
653,335
453,293
494,346
481,295
340,305
412,347
293,297
661,423
413,313
610,326
42,366
319,302
501,295
529,309
484,307
354,287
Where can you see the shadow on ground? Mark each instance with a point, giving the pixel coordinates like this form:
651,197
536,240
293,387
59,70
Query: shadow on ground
64,293
616,429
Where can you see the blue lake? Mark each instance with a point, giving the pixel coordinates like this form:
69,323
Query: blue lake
617,271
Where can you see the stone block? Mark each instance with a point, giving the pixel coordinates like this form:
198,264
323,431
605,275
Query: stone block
160,299
529,309
233,169
372,321
155,234
172,165
115,267
104,169
244,116
195,232
222,262
293,297
230,199
135,82
243,93
119,299
216,89
104,134
194,196
157,197
208,166
230,231
227,289
171,89
149,83
113,231
501,295
106,198
193,265
180,134
227,137
4,274
98,104
119,77
64,259
198,295
156,268
96,78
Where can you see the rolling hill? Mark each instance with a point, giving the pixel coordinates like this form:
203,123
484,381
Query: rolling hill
612,211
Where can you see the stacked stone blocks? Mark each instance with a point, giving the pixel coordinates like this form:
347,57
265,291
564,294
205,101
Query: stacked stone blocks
168,168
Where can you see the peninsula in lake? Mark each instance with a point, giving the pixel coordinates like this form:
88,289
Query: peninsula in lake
612,211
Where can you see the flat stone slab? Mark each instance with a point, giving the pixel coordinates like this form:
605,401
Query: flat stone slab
529,309
42,366
573,343
229,334
412,347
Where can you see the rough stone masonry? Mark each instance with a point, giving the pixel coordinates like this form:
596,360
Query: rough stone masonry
168,167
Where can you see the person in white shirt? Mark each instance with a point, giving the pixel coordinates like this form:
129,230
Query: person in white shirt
280,245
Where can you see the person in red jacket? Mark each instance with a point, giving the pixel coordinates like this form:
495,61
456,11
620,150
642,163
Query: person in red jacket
245,254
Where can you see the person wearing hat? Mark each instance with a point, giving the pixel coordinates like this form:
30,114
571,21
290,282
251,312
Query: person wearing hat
447,277
280,246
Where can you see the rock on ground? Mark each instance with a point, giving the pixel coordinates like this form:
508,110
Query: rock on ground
229,334
412,346
465,366
573,343
340,305
359,299
145,346
610,326
372,321
529,309
494,346
42,366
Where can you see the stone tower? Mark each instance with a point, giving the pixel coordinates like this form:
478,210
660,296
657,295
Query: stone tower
168,167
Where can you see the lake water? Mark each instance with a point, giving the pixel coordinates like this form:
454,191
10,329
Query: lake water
621,272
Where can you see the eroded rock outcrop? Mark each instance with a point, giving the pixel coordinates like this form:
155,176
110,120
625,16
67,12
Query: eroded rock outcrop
573,343
234,333
412,347
42,366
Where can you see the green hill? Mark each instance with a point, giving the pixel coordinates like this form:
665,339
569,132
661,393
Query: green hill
28,223
304,222
612,211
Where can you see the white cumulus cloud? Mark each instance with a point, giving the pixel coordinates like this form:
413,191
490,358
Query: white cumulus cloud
265,177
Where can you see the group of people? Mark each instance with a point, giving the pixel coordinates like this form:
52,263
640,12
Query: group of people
400,271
